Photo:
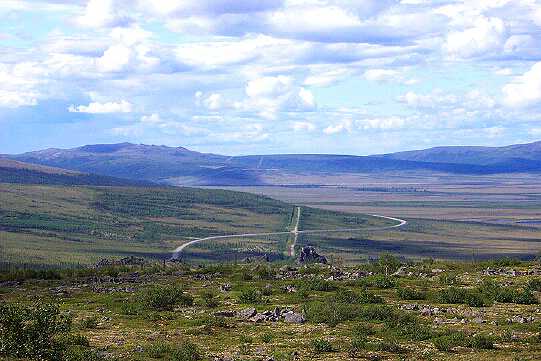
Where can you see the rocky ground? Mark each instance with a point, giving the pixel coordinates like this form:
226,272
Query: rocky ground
386,310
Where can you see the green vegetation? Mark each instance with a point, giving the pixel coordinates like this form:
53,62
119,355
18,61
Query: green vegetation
174,311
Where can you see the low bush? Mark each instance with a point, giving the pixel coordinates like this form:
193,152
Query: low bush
407,293
186,352
250,296
457,295
165,298
482,342
88,323
210,299
322,346
376,313
330,313
379,281
40,332
351,297
534,284
317,284
450,340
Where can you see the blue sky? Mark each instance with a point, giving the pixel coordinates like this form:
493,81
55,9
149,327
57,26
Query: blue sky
270,76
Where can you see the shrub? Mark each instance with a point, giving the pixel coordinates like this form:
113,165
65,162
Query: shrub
381,281
449,341
408,326
329,312
482,342
317,284
264,272
534,284
474,299
210,299
351,297
361,330
448,279
507,294
186,352
388,345
40,332
31,332
460,295
89,323
80,353
404,293
376,313
357,345
387,264
158,349
526,297
250,295
267,337
322,346
165,298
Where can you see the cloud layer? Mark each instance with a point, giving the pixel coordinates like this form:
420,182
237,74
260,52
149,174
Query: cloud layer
363,76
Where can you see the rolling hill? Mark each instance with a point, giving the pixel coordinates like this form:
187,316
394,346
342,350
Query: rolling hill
12,171
180,166
513,154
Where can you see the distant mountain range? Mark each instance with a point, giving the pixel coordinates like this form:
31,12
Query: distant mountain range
181,166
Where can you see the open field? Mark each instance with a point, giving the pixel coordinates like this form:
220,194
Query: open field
448,217
426,311
69,226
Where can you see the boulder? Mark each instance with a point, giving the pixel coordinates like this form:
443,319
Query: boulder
309,255
247,313
294,317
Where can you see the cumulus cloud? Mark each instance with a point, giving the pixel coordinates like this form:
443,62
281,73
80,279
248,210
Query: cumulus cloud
272,94
122,106
524,90
486,37
101,13
21,84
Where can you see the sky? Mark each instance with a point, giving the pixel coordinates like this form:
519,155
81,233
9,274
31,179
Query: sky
270,76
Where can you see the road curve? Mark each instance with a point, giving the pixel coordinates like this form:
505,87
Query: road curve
401,222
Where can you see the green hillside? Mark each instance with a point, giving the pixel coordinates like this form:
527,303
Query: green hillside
48,225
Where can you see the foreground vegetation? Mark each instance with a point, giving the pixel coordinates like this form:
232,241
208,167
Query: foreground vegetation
260,311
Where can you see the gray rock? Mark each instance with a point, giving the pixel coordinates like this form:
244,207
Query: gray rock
226,313
247,313
258,317
294,317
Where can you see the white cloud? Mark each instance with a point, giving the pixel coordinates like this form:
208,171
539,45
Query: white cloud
214,101
487,36
328,77
303,126
381,123
381,74
21,84
345,125
503,71
100,108
151,119
101,13
270,86
427,100
271,94
524,90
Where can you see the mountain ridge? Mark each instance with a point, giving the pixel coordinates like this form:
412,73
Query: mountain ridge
182,166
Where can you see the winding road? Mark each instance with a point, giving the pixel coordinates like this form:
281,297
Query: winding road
295,232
